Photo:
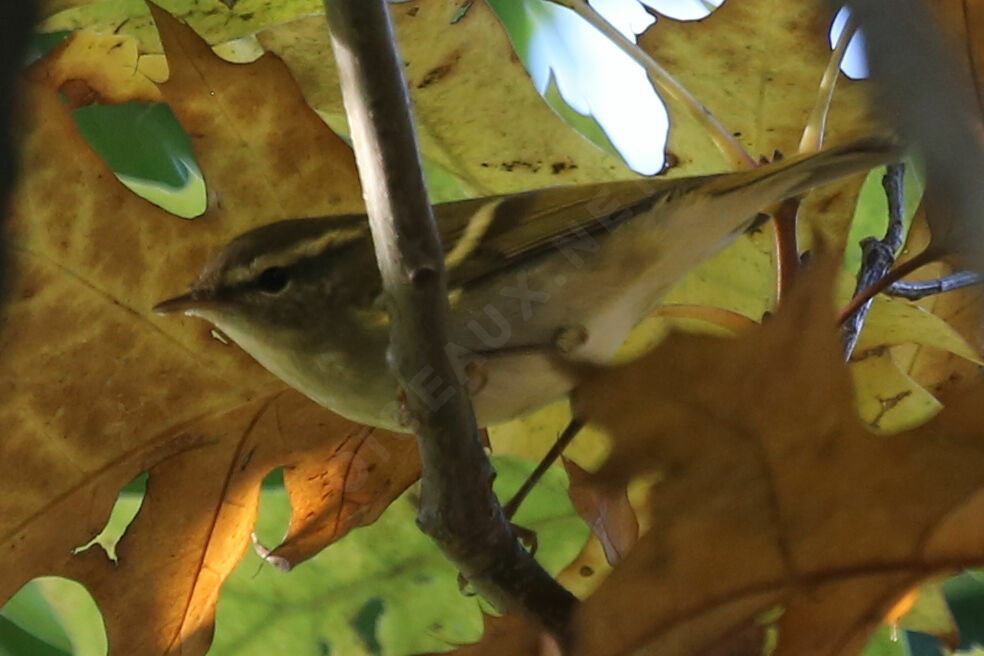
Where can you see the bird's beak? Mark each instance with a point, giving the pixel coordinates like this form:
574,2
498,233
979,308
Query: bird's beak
190,303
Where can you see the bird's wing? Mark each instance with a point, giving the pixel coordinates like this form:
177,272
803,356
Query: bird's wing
482,236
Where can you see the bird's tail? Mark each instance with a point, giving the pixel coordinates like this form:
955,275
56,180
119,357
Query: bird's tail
800,173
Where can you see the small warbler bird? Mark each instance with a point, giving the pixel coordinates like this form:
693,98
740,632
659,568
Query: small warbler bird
537,280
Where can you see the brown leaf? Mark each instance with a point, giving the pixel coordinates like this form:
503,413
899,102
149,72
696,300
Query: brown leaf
510,635
607,511
774,494
96,389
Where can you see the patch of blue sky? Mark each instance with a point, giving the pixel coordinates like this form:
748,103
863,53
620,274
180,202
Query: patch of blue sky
684,10
596,78
855,64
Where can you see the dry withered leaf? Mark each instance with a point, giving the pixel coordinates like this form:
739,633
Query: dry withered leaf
96,389
607,511
774,494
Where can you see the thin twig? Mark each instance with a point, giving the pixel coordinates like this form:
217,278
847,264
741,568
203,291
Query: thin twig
816,125
896,274
911,60
458,509
878,256
915,290
732,150
569,433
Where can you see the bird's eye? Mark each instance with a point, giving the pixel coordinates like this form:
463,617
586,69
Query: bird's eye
273,280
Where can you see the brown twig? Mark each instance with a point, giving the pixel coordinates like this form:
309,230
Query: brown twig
786,220
878,256
458,509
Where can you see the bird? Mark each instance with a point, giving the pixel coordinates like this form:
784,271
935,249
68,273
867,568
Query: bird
539,282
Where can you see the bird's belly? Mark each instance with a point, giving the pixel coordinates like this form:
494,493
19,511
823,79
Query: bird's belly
502,385
508,386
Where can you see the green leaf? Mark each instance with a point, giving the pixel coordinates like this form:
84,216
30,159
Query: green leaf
41,43
26,620
385,588
148,151
885,643
965,597
15,641
59,614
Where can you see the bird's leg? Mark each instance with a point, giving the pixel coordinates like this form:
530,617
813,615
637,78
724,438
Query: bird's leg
568,434
565,341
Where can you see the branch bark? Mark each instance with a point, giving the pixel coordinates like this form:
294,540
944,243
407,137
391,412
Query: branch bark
878,255
915,290
458,509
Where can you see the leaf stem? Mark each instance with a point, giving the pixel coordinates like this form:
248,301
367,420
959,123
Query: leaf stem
787,216
816,125
788,260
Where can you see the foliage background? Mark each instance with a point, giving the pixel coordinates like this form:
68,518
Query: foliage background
363,595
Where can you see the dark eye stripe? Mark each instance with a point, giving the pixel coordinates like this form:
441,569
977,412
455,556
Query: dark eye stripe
273,280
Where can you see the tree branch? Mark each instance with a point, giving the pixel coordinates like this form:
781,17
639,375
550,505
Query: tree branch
458,508
914,290
878,256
